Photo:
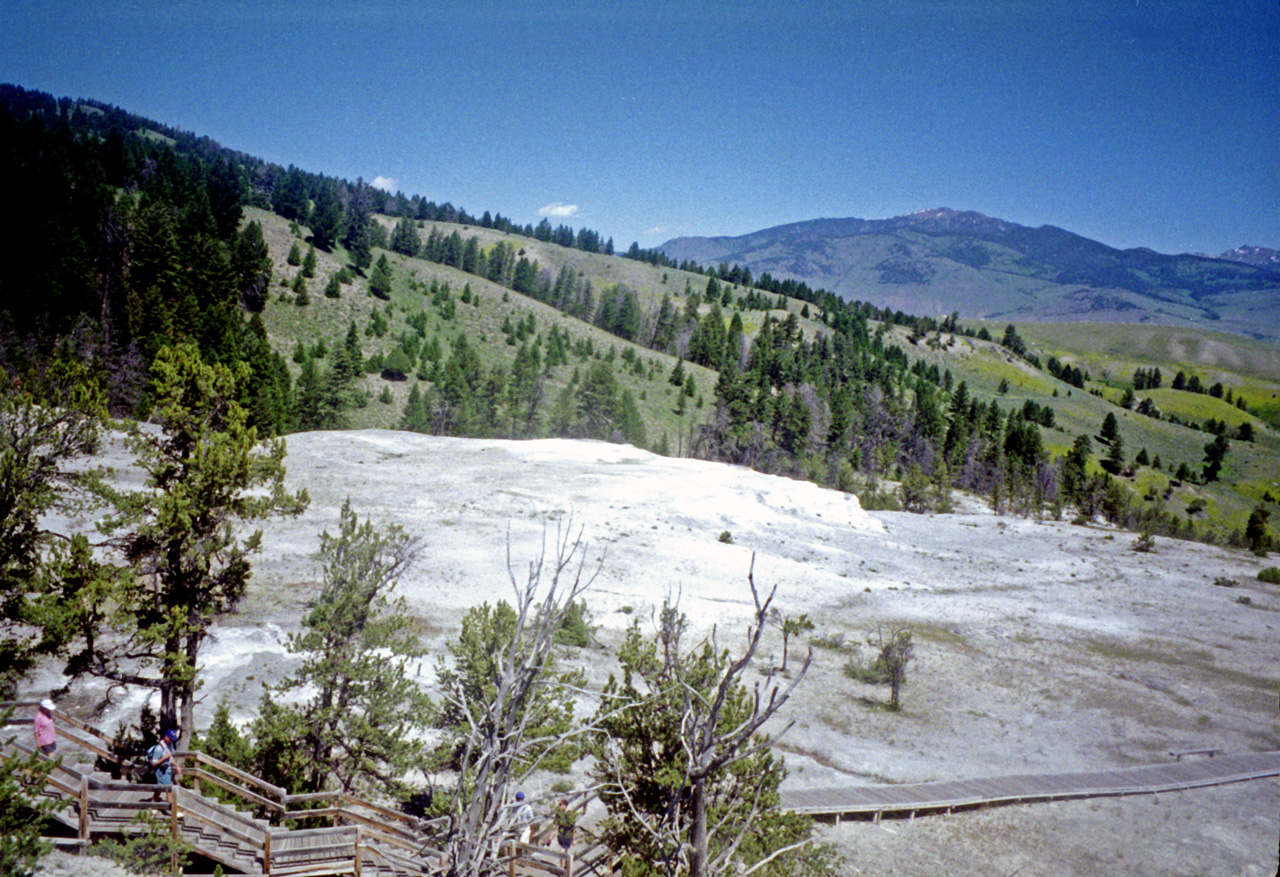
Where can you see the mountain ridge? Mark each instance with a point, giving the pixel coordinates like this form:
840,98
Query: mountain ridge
944,260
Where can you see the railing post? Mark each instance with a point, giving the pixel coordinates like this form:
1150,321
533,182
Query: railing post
266,850
511,870
173,828
84,807
568,863
357,857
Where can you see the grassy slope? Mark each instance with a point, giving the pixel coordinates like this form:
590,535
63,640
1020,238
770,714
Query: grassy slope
1109,352
328,319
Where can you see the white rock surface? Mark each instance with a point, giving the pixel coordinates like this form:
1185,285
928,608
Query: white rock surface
1040,646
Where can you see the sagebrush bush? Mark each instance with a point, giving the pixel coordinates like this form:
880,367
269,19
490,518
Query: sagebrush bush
1270,575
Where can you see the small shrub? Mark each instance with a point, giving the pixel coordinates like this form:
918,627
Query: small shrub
833,642
872,499
575,627
1224,582
875,673
1270,575
1146,542
726,537
560,787
151,851
1244,600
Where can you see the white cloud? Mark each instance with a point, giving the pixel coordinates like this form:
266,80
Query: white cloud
559,209
657,229
387,184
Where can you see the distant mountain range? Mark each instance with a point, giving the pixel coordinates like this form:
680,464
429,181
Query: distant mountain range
1260,256
941,261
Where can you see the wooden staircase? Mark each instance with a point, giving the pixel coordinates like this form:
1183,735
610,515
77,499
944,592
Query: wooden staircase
361,838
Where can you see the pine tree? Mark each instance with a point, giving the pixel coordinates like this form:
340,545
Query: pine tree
301,297
415,417
1110,427
380,279
596,402
630,423
1215,453
676,378
326,217
363,721
182,535
46,429
405,239
251,262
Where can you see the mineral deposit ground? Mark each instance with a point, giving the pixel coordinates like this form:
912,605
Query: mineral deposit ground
1041,646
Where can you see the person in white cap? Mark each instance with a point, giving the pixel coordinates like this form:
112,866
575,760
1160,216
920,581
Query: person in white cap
46,736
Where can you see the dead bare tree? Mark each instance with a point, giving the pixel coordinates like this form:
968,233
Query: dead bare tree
498,749
895,650
691,765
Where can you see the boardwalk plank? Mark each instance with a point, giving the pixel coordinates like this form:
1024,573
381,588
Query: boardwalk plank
909,797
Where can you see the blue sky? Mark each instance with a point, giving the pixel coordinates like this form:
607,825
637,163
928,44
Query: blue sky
1136,122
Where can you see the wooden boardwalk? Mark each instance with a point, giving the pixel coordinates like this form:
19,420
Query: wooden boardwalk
371,841
911,798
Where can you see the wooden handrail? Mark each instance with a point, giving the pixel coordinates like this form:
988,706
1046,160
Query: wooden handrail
243,776
200,774
377,808
380,831
198,816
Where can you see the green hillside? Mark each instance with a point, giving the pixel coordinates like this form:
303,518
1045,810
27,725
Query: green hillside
327,320
1108,353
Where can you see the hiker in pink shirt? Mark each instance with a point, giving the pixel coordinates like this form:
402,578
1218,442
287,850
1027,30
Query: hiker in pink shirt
46,736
